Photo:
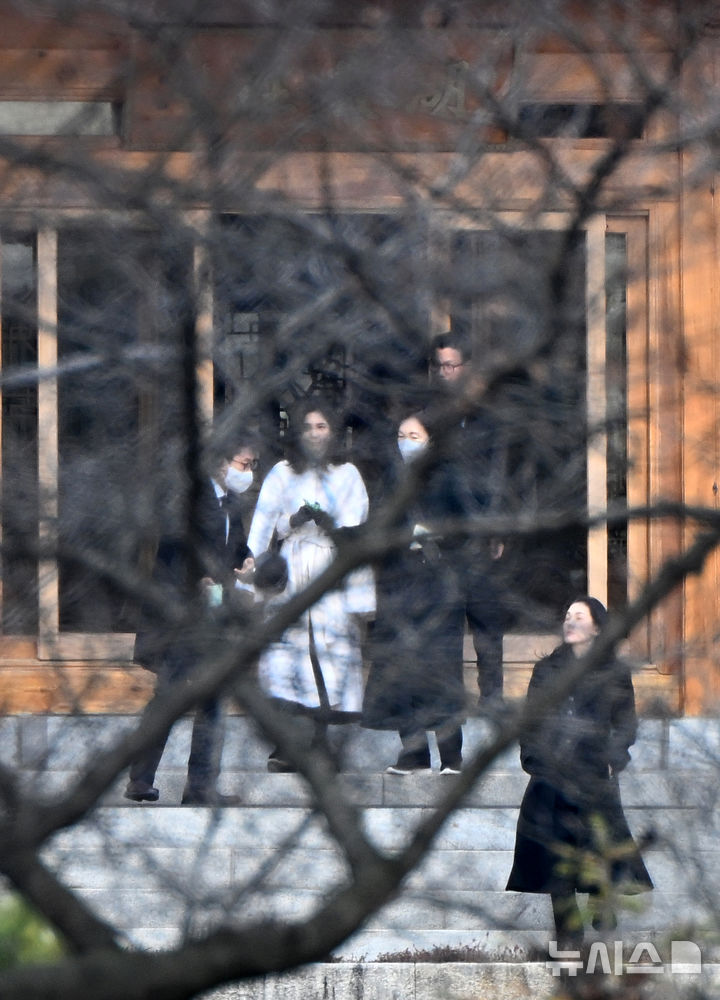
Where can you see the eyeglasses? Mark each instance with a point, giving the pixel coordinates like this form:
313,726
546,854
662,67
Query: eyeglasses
447,366
245,464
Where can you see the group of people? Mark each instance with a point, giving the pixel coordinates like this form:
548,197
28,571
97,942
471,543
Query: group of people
407,611
405,616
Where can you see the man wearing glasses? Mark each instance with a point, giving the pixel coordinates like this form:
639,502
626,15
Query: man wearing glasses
243,486
449,361
478,464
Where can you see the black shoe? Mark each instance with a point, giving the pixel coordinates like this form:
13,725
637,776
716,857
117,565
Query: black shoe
212,799
452,768
495,710
276,765
569,941
409,763
140,791
604,921
493,704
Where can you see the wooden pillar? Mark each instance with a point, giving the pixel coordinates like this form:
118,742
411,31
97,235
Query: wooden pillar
701,415
596,410
665,361
204,316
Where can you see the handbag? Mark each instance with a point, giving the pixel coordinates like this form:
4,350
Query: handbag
271,568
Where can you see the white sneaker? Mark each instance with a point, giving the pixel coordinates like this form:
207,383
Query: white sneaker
395,769
449,770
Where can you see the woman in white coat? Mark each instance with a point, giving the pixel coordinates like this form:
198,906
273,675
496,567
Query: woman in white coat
316,666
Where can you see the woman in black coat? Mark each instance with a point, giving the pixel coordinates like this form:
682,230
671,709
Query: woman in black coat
415,682
572,834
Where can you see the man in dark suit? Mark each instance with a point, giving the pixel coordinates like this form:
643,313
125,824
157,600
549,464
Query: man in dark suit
479,469
182,566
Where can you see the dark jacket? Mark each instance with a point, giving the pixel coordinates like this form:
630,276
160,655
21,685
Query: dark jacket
416,673
180,564
477,464
478,473
591,730
571,810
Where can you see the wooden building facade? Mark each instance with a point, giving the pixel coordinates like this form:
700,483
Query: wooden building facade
130,89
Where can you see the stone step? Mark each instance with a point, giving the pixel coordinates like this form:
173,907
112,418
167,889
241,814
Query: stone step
475,919
161,872
47,742
445,870
641,791
124,862
673,765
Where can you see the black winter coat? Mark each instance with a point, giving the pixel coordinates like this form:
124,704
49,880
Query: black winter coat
416,643
572,832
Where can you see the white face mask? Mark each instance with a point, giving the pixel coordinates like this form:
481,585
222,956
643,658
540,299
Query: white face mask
410,449
238,480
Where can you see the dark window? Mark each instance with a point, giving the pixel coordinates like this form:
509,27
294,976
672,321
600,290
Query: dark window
322,303
616,390
582,121
121,307
19,434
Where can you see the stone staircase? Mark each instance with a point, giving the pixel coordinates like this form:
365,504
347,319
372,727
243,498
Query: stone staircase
161,871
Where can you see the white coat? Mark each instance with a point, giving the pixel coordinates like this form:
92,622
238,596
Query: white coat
285,667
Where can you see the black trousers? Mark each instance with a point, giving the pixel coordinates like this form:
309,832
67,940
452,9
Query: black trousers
203,763
486,618
416,750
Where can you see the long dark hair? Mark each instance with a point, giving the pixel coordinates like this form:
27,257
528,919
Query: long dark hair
294,453
598,611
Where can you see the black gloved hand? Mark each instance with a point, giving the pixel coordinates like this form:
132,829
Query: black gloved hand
301,516
619,760
323,520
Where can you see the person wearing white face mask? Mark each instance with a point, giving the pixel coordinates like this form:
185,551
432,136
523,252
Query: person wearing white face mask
415,682
413,438
207,561
242,487
231,484
314,671
238,480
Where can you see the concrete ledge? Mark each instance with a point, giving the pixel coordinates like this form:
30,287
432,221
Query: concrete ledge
401,981
450,980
